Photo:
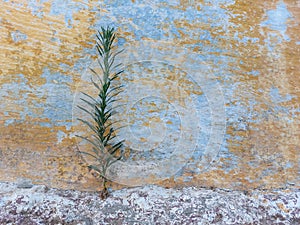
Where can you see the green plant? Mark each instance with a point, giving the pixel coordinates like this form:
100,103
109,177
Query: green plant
105,149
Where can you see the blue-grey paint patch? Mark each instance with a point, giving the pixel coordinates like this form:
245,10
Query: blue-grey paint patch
221,2
58,105
147,20
15,4
54,37
82,65
67,8
9,121
36,8
204,111
249,39
64,67
277,19
272,41
121,42
60,136
253,73
15,100
274,110
244,39
187,178
288,165
55,77
18,36
287,113
14,97
213,15
45,124
298,43
277,98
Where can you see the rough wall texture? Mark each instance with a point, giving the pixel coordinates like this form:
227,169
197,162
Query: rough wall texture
212,91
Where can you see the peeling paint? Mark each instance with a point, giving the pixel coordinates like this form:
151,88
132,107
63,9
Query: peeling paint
278,18
18,36
249,49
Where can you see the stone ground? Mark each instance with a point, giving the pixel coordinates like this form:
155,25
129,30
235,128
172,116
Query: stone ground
37,204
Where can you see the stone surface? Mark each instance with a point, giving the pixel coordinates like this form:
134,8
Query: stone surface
148,205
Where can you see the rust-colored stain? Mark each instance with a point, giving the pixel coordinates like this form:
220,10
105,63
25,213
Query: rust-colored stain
46,49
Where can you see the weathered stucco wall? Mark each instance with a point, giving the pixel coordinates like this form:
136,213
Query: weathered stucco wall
212,91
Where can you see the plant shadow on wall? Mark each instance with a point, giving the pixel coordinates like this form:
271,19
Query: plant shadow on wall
106,149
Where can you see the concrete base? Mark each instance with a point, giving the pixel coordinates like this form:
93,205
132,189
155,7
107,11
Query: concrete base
147,205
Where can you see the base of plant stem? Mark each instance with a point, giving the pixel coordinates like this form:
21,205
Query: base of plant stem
104,194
